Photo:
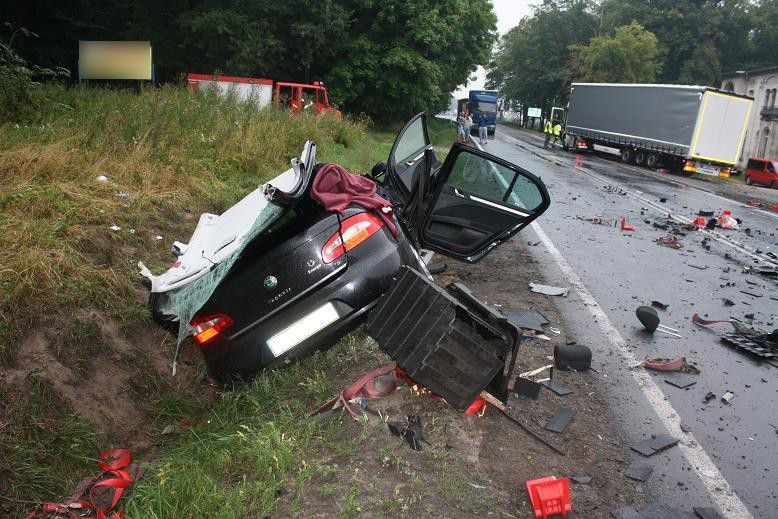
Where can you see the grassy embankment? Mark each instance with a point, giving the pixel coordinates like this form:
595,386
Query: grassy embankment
168,156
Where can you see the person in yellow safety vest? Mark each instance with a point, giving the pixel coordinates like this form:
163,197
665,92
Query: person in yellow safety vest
548,129
557,131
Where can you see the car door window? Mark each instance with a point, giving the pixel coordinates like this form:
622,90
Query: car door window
481,177
412,142
479,202
407,157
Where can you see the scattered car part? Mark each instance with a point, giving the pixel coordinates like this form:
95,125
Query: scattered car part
739,342
500,406
705,322
659,305
650,320
549,290
98,496
680,380
557,387
441,343
559,422
651,446
526,388
549,497
727,397
707,513
527,319
670,241
710,395
727,302
437,268
576,357
639,471
410,431
625,226
676,364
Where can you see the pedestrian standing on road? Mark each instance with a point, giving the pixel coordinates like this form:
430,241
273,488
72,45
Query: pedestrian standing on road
482,128
468,125
557,132
548,130
461,127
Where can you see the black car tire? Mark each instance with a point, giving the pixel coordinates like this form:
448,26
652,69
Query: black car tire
627,155
640,158
772,184
651,160
748,180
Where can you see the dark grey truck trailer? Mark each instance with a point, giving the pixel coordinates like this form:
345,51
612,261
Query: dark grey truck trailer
692,129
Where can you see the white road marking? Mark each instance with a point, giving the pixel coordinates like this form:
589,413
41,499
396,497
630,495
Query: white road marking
719,489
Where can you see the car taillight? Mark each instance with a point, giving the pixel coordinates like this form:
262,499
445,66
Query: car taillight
353,231
207,328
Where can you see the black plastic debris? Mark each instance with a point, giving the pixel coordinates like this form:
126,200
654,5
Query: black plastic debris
655,444
659,304
707,214
680,380
707,513
526,319
728,302
710,395
526,388
557,387
442,342
437,268
741,343
639,471
575,357
559,422
752,294
410,430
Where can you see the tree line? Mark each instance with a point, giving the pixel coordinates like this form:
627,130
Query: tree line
630,41
384,58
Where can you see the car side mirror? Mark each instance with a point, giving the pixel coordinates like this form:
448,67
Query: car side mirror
378,170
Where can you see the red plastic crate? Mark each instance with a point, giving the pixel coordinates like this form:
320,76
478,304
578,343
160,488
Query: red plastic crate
549,497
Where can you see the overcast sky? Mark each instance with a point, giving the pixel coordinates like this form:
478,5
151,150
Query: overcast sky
508,12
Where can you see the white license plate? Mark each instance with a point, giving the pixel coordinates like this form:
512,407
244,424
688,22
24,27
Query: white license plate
707,169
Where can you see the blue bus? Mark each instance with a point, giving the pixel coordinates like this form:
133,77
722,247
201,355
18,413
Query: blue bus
484,102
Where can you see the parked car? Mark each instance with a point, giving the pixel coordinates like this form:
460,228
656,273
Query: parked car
277,276
762,171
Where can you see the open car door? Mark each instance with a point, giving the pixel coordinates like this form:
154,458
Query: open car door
478,201
408,159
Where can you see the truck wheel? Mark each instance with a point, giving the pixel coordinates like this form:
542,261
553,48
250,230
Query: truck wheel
651,160
748,180
627,155
772,184
640,158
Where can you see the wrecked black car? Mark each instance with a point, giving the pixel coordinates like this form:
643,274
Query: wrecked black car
302,260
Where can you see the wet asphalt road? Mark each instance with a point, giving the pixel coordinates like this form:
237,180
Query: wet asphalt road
623,270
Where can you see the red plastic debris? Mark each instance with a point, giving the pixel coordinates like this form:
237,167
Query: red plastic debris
700,221
549,496
477,407
775,208
624,226
664,364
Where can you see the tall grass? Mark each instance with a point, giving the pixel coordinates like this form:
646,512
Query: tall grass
168,154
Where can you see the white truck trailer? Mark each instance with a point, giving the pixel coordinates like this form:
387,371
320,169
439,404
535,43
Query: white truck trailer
690,129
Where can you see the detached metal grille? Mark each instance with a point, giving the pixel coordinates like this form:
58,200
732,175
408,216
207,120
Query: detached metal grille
416,323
